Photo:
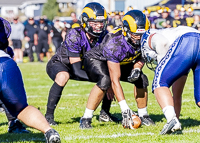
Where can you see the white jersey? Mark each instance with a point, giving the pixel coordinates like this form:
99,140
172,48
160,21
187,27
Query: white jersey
171,34
155,43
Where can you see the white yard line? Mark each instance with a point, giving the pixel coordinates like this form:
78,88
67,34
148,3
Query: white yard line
108,136
122,135
191,131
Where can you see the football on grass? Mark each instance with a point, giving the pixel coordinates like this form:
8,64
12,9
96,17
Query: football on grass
136,122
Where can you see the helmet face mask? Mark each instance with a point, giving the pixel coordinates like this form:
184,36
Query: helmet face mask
97,26
135,23
94,19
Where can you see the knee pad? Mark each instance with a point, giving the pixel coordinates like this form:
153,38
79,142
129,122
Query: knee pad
104,82
142,82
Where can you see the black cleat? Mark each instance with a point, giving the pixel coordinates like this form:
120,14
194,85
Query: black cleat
51,121
172,126
52,136
107,117
146,120
15,126
85,123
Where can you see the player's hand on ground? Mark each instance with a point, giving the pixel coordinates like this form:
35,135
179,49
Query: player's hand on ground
134,75
110,94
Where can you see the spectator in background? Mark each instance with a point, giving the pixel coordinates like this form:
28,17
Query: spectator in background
111,16
116,21
151,18
196,23
177,20
16,38
29,32
165,21
42,39
183,15
129,8
75,22
121,13
57,31
190,17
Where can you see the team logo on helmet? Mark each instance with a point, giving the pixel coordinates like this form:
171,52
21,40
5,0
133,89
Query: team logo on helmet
135,21
93,12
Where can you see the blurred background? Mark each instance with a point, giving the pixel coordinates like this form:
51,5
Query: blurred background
61,15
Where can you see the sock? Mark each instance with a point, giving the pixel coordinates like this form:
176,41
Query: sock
54,97
123,105
88,113
106,104
169,113
142,111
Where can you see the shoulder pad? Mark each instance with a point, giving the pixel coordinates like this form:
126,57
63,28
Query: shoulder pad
117,31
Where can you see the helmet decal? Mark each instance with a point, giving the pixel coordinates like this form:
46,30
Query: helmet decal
131,23
94,12
89,12
105,14
147,25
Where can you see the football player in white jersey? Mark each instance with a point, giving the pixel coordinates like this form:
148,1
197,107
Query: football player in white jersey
170,48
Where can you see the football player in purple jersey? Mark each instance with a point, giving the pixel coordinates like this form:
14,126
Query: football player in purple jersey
117,58
67,62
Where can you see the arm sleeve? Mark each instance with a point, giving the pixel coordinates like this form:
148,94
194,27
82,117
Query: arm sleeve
160,44
78,72
73,41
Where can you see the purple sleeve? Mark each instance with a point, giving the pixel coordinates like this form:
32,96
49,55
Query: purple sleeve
7,27
115,50
73,41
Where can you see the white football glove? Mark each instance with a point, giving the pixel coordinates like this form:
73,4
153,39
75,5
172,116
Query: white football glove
127,118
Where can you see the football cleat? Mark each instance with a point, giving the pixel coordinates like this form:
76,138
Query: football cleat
15,126
127,120
146,120
85,123
106,117
172,126
2,110
52,136
50,120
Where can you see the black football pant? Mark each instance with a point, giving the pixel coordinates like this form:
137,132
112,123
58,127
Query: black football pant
53,68
8,115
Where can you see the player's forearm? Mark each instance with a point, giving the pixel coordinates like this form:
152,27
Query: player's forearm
117,89
49,38
139,63
78,72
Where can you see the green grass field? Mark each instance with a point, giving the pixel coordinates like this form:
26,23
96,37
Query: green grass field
72,105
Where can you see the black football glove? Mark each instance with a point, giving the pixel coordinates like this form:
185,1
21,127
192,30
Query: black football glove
135,74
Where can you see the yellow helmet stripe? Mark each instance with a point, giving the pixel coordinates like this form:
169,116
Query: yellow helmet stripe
105,14
147,24
75,25
115,31
89,12
131,23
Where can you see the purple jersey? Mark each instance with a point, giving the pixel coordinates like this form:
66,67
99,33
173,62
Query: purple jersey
114,48
75,45
5,30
